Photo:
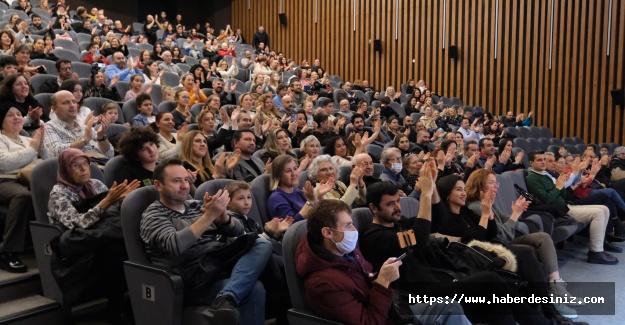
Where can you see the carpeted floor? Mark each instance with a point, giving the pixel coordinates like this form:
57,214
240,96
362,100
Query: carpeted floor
573,268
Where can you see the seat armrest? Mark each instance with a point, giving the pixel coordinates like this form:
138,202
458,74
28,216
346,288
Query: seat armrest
304,317
42,234
156,294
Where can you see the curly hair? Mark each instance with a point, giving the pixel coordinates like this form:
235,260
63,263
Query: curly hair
133,140
313,168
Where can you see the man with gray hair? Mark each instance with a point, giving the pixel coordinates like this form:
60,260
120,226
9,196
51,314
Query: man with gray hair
617,165
550,158
364,161
168,65
392,161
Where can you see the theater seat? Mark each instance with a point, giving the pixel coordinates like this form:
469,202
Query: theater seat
43,178
155,292
300,314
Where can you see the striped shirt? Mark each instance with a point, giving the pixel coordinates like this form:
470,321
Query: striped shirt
170,242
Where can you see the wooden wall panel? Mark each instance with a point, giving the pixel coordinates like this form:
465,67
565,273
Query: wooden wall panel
572,98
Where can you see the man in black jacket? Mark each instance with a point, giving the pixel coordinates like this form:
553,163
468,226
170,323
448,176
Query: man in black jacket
260,37
64,69
380,240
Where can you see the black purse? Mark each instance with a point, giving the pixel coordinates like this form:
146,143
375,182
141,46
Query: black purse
527,195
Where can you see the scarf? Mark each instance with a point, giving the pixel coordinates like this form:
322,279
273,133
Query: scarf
64,175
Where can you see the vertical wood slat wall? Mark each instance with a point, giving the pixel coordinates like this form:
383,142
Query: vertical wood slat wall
572,98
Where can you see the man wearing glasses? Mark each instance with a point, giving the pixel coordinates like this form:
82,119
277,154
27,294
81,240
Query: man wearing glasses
65,72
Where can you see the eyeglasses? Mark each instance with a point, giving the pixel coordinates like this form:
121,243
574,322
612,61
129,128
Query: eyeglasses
326,169
79,164
395,159
493,183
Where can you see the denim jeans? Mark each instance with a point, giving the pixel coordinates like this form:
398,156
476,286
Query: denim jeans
613,195
439,314
243,284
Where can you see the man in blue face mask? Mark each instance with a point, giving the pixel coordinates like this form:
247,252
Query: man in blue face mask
335,271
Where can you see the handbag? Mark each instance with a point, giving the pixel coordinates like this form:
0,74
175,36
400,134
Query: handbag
527,195
25,174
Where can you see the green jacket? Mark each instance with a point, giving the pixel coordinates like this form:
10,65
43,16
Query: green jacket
544,189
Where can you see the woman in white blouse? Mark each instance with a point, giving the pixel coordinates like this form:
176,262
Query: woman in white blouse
170,140
16,151
226,71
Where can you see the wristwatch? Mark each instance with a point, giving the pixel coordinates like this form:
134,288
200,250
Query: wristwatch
103,138
310,204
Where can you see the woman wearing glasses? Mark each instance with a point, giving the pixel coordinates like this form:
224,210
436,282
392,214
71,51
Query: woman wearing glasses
324,172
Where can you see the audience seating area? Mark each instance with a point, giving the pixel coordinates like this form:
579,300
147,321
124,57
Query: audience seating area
165,304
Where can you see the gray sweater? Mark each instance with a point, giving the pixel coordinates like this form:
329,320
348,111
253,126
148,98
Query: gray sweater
506,227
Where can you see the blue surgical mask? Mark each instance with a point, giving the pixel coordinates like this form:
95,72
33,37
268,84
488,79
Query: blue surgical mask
396,167
348,244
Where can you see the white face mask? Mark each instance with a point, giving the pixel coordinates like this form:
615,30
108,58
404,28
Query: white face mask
348,244
396,167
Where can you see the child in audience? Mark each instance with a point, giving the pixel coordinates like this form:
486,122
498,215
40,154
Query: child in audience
277,298
190,47
136,82
110,110
168,93
144,105
240,205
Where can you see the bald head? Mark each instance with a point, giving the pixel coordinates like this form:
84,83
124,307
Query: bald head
364,161
166,57
287,101
344,105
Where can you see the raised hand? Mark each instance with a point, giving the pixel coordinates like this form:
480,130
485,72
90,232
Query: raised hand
440,158
232,160
114,80
487,198
224,116
303,165
235,113
356,175
266,126
518,207
131,187
309,192
268,166
292,127
519,157
562,179
37,138
184,128
504,156
490,162
471,161
426,179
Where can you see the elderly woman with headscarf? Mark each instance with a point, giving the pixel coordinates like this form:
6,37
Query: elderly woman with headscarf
16,152
92,247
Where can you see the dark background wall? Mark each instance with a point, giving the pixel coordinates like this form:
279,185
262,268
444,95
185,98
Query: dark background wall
217,12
